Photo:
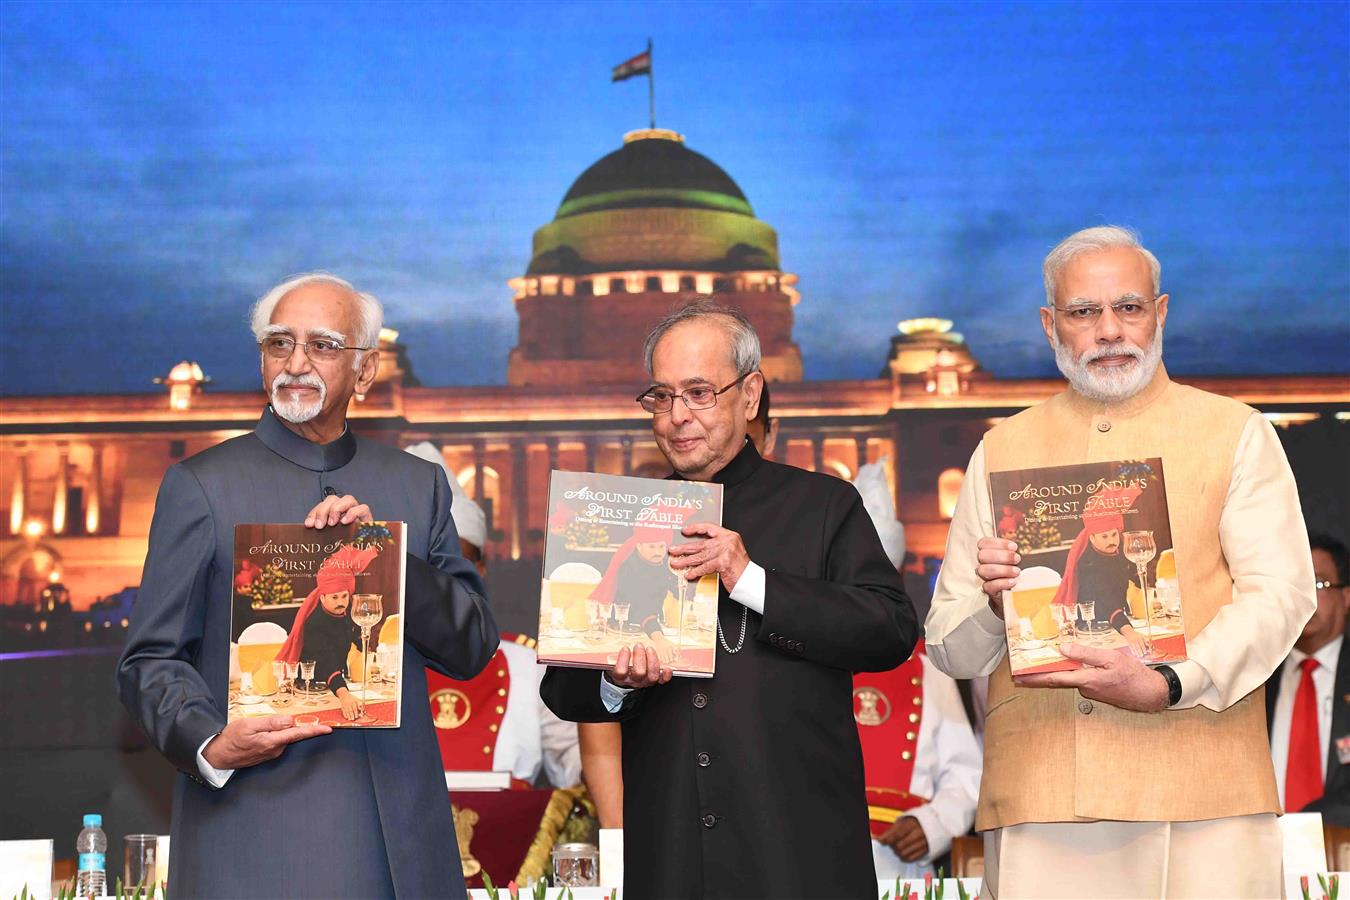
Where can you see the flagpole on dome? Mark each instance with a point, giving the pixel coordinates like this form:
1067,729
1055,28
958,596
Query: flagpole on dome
639,65
651,83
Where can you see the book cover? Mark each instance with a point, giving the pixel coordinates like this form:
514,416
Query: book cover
1098,565
607,580
316,626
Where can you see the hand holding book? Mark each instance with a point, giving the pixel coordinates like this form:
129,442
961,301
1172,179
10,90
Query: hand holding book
334,510
997,569
638,667
1118,679
247,742
722,552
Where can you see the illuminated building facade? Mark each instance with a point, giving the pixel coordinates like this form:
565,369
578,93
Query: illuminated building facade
648,227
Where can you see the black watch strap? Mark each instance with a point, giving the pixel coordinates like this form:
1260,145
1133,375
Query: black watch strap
1173,684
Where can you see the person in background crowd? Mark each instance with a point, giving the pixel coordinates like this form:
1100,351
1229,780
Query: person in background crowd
1308,698
921,760
528,738
763,428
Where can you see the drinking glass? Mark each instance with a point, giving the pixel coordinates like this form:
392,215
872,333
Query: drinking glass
593,615
1087,611
1063,618
279,675
686,591
367,610
576,865
138,867
1139,549
621,615
386,657
307,673
292,673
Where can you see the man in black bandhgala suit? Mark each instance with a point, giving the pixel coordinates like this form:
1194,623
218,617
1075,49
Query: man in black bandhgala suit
749,784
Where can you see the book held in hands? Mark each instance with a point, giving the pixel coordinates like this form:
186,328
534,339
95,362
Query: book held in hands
1098,565
316,624
608,582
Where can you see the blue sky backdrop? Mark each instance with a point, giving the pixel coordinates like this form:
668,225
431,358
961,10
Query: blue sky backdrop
162,164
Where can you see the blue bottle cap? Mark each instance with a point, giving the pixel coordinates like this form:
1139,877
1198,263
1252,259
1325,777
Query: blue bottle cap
93,820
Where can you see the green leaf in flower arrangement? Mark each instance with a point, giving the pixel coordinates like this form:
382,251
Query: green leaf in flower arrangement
490,887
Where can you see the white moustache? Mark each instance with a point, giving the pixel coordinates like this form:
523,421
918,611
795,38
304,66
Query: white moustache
297,411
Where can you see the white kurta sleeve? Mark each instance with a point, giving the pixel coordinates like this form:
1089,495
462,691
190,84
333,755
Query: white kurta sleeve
965,638
947,764
1265,543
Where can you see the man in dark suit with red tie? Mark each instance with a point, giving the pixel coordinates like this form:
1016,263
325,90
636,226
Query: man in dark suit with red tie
1308,698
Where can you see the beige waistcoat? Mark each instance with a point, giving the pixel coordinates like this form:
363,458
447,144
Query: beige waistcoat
1053,756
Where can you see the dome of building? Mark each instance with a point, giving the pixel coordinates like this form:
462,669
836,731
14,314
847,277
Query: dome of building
654,168
654,204
645,228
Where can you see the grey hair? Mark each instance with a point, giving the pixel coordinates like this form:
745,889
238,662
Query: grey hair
370,311
1102,237
745,352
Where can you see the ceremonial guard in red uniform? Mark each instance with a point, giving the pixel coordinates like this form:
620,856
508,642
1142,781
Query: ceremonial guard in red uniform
921,760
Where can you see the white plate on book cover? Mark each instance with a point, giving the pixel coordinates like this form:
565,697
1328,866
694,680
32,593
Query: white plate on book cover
249,700
1032,644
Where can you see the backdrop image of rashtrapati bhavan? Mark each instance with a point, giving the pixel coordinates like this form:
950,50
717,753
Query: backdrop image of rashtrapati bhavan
653,224
647,227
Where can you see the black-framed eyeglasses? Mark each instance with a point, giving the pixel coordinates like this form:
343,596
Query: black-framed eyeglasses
1130,310
319,350
658,399
1329,586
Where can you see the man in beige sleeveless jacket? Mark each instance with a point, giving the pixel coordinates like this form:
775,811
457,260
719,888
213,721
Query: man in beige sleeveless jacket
1120,780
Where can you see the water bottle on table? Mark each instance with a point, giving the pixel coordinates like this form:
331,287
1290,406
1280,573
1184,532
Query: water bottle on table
92,849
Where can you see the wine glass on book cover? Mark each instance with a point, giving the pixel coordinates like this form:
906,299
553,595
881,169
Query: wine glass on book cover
621,611
595,616
307,673
367,609
1140,549
685,594
292,673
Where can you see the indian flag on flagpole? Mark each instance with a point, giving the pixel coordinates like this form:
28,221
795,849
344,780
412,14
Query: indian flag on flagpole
638,65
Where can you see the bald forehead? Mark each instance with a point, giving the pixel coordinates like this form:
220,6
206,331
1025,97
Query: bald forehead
319,305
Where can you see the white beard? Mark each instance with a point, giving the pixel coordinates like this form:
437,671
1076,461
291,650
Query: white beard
1114,384
297,412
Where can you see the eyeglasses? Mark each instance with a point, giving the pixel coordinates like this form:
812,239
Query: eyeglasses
1131,311
318,350
1328,586
659,400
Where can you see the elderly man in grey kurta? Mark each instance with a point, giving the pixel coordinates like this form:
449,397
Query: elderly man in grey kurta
264,807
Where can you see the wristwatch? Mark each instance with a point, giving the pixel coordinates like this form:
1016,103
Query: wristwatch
1173,684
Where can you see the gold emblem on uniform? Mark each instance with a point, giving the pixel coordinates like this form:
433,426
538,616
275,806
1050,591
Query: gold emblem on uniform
870,706
465,820
451,709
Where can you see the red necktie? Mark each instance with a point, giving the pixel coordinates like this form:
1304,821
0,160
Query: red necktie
1303,777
